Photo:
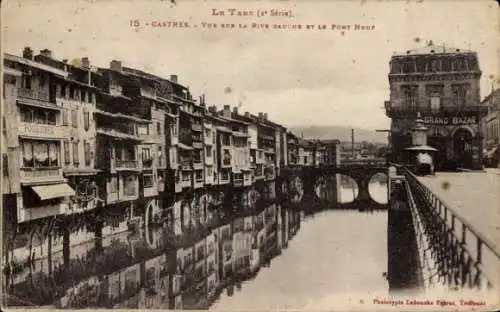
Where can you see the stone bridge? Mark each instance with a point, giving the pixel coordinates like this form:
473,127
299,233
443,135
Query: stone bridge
319,186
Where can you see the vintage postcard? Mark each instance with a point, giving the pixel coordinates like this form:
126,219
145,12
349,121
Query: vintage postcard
241,155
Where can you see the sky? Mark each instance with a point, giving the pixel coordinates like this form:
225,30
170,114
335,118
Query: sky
299,77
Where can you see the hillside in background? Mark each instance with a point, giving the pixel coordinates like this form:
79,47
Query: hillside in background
340,133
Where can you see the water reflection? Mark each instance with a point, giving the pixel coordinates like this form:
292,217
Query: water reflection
155,268
183,267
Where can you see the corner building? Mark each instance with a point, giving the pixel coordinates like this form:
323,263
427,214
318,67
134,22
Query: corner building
442,84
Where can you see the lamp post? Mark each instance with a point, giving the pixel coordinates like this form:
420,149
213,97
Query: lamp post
419,151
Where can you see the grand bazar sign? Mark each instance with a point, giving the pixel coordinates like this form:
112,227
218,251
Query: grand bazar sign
450,120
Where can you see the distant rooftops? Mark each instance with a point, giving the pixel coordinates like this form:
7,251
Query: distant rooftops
431,48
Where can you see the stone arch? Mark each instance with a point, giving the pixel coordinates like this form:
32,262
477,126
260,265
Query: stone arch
295,187
463,127
363,176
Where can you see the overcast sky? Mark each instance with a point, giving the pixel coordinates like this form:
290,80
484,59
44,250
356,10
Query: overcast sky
299,77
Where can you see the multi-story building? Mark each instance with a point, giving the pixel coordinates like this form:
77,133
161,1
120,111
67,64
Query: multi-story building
491,128
79,138
124,143
35,137
266,141
442,85
223,147
306,153
292,149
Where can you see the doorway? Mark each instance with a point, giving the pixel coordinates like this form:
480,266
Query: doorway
462,148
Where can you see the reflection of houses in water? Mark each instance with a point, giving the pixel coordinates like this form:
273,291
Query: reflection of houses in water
158,269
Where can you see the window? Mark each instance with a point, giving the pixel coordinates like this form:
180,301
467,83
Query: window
173,156
173,130
142,129
26,81
74,118
73,93
146,154
208,151
208,171
86,120
435,102
83,95
87,152
64,93
113,185
459,94
40,154
65,117
160,156
408,67
67,159
199,175
158,127
410,97
76,157
39,116
148,180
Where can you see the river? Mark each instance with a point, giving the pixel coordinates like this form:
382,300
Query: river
268,258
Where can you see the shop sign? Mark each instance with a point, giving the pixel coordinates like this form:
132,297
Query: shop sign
450,120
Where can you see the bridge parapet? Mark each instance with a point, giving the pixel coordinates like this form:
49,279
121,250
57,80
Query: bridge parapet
453,252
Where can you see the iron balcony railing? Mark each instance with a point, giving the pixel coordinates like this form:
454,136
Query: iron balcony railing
448,108
464,257
129,164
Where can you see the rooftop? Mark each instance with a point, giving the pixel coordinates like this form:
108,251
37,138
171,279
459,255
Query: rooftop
431,48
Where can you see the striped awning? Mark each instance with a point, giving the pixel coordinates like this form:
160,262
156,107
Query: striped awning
53,191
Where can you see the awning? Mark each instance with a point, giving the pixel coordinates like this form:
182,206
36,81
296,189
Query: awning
184,146
421,148
53,191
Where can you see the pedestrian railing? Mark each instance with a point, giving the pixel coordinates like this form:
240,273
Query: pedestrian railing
463,256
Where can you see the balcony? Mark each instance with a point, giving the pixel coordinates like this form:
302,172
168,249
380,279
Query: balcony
185,164
123,164
117,134
269,150
186,183
39,175
39,95
447,108
197,127
197,165
147,163
49,131
238,182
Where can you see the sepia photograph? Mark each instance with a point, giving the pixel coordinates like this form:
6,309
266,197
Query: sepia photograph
245,155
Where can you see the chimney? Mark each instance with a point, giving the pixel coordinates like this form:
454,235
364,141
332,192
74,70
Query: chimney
265,116
46,53
235,110
227,111
247,114
173,78
261,116
28,53
85,62
115,65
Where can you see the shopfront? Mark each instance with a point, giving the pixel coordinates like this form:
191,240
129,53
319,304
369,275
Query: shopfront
457,139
